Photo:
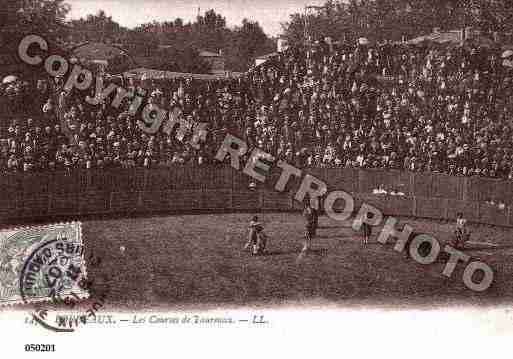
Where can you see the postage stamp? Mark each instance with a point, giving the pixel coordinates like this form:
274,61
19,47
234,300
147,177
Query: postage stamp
40,263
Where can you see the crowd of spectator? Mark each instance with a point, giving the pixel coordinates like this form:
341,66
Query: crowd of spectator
416,108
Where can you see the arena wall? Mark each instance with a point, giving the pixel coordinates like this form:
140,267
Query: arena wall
36,196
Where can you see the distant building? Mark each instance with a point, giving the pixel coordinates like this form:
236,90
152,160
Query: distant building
282,44
140,73
264,58
216,61
452,36
112,58
459,36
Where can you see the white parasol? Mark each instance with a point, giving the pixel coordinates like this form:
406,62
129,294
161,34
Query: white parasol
363,41
9,79
507,53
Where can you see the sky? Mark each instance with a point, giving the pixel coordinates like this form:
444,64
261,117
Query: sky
269,13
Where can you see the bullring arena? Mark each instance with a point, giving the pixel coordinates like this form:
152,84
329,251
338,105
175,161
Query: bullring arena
183,230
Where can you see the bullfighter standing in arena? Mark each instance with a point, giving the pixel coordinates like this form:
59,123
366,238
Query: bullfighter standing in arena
310,221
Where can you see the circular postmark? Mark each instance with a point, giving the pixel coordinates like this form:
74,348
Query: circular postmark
54,276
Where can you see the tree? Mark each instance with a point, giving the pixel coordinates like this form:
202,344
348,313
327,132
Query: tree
392,19
178,22
179,60
18,19
209,32
42,17
141,42
175,45
249,41
98,28
211,21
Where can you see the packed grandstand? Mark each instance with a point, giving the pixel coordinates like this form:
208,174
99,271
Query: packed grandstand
417,108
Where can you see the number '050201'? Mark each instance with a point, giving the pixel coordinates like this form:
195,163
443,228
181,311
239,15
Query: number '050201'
39,347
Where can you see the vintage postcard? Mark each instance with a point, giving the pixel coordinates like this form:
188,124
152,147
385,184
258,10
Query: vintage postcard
236,178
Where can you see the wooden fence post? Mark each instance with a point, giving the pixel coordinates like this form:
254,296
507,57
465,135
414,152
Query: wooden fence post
446,209
411,176
465,189
231,199
110,194
50,193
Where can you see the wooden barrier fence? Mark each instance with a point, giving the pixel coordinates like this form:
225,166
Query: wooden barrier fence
28,196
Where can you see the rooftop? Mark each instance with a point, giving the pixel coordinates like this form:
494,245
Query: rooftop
209,54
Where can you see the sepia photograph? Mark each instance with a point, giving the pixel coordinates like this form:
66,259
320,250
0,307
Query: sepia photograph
189,169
